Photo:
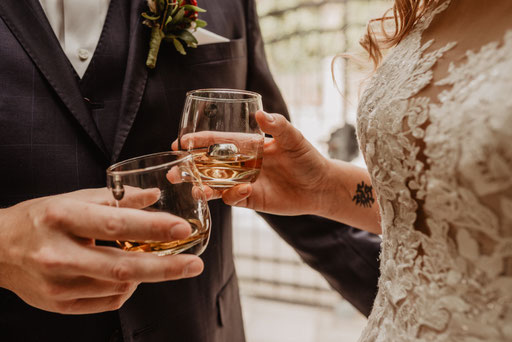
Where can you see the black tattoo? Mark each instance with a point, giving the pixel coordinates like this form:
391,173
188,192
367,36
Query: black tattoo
364,195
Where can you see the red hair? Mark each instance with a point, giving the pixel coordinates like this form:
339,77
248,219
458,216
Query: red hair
406,14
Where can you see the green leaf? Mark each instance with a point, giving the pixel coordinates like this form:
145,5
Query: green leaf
178,17
193,8
175,8
188,38
168,21
179,46
150,17
200,23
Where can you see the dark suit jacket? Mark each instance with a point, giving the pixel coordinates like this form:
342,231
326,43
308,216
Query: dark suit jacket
49,144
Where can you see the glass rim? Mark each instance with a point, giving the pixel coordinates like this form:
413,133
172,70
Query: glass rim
111,169
253,95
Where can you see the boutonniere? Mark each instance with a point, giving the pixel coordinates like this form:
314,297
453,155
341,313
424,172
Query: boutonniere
173,21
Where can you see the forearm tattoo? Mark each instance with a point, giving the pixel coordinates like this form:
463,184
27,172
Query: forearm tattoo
364,195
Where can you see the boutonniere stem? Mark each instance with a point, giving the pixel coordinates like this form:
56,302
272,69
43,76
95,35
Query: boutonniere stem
173,21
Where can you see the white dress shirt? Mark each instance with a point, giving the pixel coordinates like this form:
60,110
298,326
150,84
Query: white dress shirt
78,25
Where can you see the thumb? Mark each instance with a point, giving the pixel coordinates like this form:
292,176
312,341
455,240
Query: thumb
280,129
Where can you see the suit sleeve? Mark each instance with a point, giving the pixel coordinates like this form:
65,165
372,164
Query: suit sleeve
346,257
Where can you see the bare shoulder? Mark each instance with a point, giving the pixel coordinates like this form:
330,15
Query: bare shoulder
471,24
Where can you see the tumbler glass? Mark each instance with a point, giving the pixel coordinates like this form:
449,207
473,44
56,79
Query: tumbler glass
184,198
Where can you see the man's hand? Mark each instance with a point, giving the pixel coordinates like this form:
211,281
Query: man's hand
48,255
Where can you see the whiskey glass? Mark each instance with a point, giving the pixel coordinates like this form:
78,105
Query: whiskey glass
184,198
219,128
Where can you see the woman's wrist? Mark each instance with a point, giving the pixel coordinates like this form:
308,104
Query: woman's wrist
332,192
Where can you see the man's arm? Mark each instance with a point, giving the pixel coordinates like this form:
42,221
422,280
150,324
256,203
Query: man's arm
345,256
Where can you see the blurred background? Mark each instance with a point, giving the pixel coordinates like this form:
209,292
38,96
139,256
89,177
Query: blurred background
282,298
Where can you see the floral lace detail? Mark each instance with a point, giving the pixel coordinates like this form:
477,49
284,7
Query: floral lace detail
443,174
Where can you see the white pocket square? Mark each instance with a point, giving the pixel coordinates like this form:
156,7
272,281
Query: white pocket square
206,37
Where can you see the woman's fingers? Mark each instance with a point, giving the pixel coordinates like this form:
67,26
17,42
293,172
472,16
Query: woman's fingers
287,136
203,139
237,196
175,175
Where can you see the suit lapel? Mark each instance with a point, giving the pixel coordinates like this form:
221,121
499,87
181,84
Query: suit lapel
135,78
27,21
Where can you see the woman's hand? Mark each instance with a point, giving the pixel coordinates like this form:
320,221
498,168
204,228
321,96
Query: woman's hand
296,179
49,258
292,180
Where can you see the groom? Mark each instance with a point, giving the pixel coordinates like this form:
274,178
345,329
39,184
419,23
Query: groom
61,125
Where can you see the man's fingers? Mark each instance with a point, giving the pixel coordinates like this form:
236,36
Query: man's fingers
84,306
237,196
133,197
93,221
138,198
86,287
288,137
115,265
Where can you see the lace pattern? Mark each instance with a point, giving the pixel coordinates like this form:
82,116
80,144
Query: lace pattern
443,174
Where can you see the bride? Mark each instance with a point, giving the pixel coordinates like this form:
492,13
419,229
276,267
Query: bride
435,128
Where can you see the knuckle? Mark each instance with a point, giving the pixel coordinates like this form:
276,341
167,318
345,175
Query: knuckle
115,303
124,287
280,119
122,271
53,290
49,261
64,307
54,214
115,225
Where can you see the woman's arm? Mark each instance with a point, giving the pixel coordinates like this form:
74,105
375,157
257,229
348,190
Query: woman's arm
296,179
350,198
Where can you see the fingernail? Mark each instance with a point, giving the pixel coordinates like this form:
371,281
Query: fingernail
180,231
269,117
243,190
192,269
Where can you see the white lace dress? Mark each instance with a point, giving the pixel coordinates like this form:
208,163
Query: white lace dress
442,170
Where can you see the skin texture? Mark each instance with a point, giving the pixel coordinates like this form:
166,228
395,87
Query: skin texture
49,258
296,179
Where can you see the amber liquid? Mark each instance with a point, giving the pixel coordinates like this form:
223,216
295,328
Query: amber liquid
223,173
194,244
